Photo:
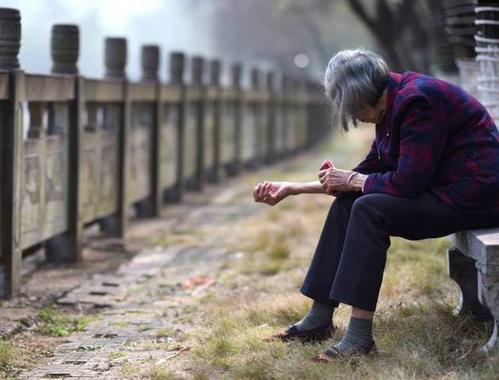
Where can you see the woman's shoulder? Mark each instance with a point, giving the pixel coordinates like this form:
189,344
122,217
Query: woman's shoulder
419,86
413,82
428,92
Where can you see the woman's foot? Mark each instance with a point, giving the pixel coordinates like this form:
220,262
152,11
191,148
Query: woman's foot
316,326
313,335
334,352
357,340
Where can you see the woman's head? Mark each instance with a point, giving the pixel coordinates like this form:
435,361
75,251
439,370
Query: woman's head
354,82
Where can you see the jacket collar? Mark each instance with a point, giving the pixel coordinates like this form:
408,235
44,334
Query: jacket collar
392,86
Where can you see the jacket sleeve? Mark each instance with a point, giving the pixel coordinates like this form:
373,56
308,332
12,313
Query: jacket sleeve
423,134
370,164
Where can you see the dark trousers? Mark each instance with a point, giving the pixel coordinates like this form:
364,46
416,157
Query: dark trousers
349,259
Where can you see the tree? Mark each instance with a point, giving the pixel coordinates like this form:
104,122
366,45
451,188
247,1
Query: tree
397,26
401,30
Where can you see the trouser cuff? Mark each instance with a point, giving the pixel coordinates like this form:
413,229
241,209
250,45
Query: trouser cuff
355,301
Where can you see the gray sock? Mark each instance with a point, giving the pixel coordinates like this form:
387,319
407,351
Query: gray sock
319,315
359,335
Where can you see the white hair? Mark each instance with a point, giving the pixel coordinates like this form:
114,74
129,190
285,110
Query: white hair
354,79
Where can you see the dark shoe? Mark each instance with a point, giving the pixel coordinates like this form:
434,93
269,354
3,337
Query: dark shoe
313,335
332,353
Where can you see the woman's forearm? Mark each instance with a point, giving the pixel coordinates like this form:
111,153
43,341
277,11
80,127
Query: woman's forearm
312,187
315,187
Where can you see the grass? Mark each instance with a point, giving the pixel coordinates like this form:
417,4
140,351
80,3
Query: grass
116,355
165,332
58,323
148,370
256,295
119,324
414,326
10,356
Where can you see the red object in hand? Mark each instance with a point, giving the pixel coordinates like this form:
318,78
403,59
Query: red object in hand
327,165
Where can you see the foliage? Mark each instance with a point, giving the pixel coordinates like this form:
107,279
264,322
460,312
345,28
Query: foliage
56,322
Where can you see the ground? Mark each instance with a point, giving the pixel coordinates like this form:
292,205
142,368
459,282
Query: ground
192,295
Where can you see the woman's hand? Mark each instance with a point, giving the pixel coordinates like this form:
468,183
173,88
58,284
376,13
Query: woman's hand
272,193
334,180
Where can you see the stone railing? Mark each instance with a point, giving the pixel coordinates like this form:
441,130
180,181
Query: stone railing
78,151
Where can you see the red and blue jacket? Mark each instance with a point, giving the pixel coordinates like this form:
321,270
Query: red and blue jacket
434,137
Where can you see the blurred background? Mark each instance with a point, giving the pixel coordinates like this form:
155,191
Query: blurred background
298,35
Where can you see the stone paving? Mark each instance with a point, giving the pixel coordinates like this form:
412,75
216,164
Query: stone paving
141,319
145,305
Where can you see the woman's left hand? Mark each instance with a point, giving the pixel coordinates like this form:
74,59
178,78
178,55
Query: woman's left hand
334,179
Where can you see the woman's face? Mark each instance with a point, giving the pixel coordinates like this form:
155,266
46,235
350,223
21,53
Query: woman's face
373,114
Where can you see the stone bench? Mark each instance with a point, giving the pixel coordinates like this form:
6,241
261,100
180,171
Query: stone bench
474,264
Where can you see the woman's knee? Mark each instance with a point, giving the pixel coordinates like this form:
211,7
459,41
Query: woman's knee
345,201
367,201
373,204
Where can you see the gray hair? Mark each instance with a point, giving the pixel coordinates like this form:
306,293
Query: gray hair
354,79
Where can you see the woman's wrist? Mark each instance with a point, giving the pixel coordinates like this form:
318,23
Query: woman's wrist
293,188
356,181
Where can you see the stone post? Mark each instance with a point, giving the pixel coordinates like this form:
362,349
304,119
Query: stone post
65,48
115,57
150,63
177,67
115,61
11,136
236,75
10,38
256,108
67,247
197,67
215,69
271,118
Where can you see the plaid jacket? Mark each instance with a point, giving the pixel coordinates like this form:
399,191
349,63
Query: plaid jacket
434,137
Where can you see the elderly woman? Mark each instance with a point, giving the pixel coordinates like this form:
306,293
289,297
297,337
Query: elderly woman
432,170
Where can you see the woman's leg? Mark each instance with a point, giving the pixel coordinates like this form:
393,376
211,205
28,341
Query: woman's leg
317,324
373,219
322,270
376,217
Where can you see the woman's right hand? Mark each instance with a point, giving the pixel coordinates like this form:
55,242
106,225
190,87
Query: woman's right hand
271,193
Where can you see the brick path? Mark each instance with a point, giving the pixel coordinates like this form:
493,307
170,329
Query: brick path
145,305
146,311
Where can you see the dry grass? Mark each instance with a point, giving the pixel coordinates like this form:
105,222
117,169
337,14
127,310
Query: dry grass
10,356
257,295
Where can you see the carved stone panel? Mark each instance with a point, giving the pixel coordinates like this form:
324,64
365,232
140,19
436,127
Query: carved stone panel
99,178
291,127
209,136
190,141
45,173
88,177
248,133
108,175
227,147
278,131
169,146
262,132
140,152
302,127
56,178
31,205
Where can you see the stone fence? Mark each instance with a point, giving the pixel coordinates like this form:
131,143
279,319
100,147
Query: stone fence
77,151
